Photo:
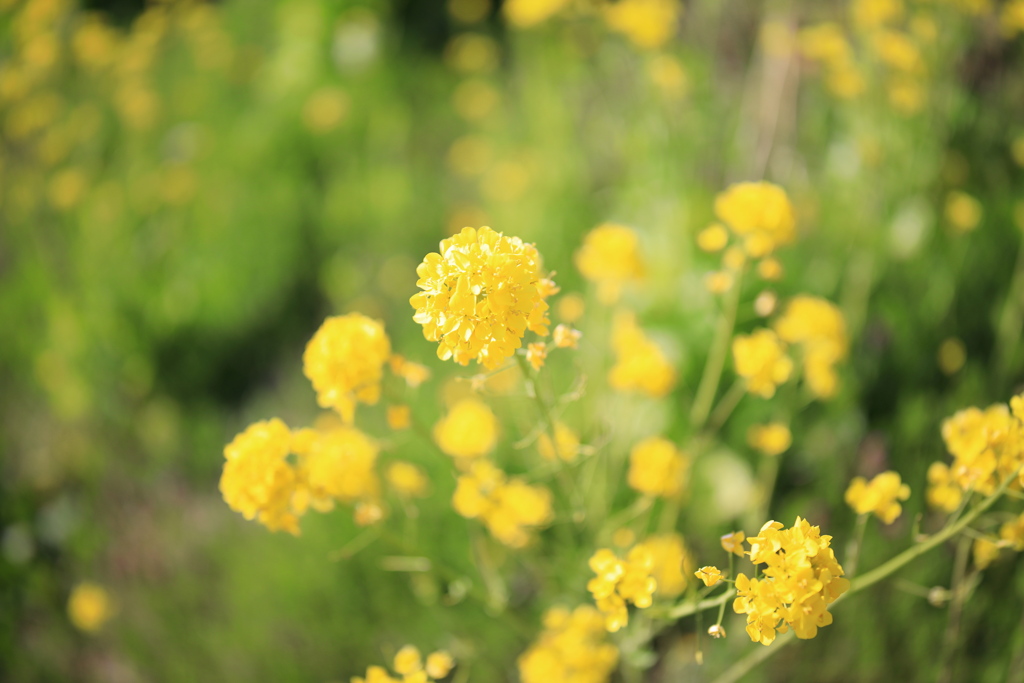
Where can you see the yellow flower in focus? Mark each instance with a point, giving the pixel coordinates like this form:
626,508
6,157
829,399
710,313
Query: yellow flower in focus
536,354
325,109
640,365
527,13
399,417
880,496
985,552
469,430
509,508
713,238
709,575
89,606
565,337
619,582
647,23
760,358
572,647
407,479
963,211
760,213
672,563
567,440
657,467
770,439
610,257
943,491
817,325
345,362
733,543
257,479
480,295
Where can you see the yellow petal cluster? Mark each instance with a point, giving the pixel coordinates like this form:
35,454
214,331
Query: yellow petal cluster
943,491
760,358
89,606
509,508
801,579
773,438
565,337
409,666
572,647
610,258
826,43
566,446
647,23
619,582
640,365
481,292
657,467
818,327
985,445
733,543
336,464
345,362
881,496
469,430
710,575
760,214
406,479
527,13
672,563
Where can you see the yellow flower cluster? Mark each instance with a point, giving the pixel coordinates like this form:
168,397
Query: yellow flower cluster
481,292
610,258
89,606
647,23
986,446
657,467
770,439
672,563
261,482
640,365
527,13
818,327
468,431
410,666
760,358
826,44
572,647
619,582
345,362
760,214
881,496
566,445
509,508
801,579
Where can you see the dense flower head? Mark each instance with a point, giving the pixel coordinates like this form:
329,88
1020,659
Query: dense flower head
345,362
640,364
337,464
407,479
672,563
619,582
572,647
943,491
257,480
817,325
733,543
760,358
566,445
709,575
760,214
410,667
773,438
881,496
469,430
610,257
89,606
801,579
986,445
657,467
481,292
647,23
509,508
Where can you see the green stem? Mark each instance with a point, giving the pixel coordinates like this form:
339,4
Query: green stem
853,552
688,608
708,386
728,404
743,666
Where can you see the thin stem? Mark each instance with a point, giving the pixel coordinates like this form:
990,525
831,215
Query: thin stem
756,656
708,386
957,590
853,550
767,473
726,405
688,608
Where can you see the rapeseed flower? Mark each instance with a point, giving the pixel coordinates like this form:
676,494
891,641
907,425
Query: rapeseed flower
509,508
733,543
619,582
640,365
710,575
337,464
406,479
527,13
985,445
565,337
760,214
345,362
572,647
89,606
610,257
881,496
647,23
770,439
469,430
943,491
657,467
536,354
481,293
672,563
713,238
566,446
408,664
258,480
818,327
760,358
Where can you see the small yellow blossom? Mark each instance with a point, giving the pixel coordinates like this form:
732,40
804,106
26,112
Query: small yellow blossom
536,354
733,543
571,308
572,647
943,492
345,362
567,440
672,563
1011,533
406,479
709,575
480,295
817,325
640,365
760,213
439,664
770,439
963,211
89,606
399,417
719,281
713,238
338,464
647,23
898,51
985,444
825,43
469,430
880,496
770,269
985,552
408,660
657,467
414,374
760,358
509,508
565,337
375,674
610,257
619,582
257,479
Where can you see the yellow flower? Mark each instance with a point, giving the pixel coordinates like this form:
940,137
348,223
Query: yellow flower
760,358
817,325
672,563
257,480
527,13
408,660
567,440
571,308
375,674
439,664
89,606
509,508
880,496
1011,533
536,354
640,365
771,439
610,257
414,374
801,579
619,582
399,417
480,295
986,445
985,552
825,43
710,575
338,464
325,109
943,491
733,543
898,51
572,647
647,23
770,269
469,430
759,213
963,211
870,14
565,337
345,362
407,479
713,238
719,282
657,467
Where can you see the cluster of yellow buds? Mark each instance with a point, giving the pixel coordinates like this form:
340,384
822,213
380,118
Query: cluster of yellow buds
572,647
986,446
657,467
619,582
881,496
509,508
410,666
610,257
640,364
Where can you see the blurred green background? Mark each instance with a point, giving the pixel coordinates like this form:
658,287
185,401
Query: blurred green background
187,190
